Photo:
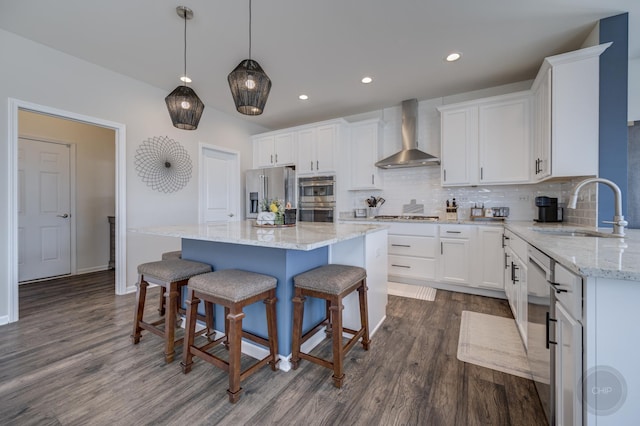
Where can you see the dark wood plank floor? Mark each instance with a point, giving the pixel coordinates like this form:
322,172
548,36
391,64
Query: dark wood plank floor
69,361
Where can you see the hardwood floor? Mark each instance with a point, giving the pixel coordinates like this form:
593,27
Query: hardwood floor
69,361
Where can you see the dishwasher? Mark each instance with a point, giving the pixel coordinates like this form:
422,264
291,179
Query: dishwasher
540,315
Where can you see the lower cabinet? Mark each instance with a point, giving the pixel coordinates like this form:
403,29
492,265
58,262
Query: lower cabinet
515,281
568,368
455,265
412,251
488,258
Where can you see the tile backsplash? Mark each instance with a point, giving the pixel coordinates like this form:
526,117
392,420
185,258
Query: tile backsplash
423,185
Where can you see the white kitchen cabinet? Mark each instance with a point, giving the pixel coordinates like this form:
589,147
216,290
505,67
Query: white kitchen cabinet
568,352
364,148
486,141
489,258
515,281
459,145
566,110
455,260
274,149
412,251
317,149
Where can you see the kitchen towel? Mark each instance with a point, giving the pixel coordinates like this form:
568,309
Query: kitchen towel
492,342
411,291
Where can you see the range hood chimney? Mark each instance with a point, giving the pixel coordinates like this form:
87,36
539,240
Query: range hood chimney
410,156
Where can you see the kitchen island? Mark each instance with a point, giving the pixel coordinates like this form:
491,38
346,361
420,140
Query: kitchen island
283,253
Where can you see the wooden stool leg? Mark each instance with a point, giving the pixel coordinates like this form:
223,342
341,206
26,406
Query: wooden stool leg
208,314
298,313
329,329
141,295
226,328
190,331
170,322
338,353
234,332
272,328
161,309
364,314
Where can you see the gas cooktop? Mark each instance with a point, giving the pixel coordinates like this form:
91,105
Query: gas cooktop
408,217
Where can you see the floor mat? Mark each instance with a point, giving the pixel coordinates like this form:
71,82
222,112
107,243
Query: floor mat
411,291
493,342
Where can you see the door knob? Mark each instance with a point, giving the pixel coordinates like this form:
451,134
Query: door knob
64,216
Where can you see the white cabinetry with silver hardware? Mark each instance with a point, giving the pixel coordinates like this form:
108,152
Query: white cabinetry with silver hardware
317,147
412,249
486,141
568,348
455,260
565,115
364,148
274,149
515,282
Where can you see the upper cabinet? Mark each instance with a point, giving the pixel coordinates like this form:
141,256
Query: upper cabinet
364,148
486,141
317,148
274,149
566,115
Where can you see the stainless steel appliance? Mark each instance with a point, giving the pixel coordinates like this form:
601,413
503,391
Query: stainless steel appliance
540,334
548,210
277,183
317,199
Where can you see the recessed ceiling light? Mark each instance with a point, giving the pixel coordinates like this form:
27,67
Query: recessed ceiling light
367,80
185,79
303,97
451,57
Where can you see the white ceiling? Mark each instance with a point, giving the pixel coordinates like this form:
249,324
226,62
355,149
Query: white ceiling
320,47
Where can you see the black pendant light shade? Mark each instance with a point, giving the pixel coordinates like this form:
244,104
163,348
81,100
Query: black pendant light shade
250,87
185,108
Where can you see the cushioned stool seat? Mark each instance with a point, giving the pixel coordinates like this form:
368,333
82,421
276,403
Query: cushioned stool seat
171,275
172,255
331,283
234,289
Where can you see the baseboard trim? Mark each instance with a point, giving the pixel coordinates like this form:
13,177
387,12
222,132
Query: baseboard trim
458,288
92,269
4,320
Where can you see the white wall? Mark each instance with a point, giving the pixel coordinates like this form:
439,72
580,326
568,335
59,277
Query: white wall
95,181
35,73
634,89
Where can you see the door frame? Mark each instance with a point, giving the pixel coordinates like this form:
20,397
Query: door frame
202,147
72,193
120,183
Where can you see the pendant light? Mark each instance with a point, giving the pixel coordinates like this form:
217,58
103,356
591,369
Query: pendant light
249,84
185,107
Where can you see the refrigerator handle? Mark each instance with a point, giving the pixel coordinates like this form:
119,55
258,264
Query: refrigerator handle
265,182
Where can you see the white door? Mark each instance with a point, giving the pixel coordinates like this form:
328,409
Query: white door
219,185
44,225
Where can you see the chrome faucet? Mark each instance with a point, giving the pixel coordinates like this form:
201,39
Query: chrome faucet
618,220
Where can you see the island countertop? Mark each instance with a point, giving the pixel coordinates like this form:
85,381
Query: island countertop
303,236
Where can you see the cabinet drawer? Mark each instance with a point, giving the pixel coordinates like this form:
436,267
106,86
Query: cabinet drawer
412,246
414,267
417,229
456,231
568,290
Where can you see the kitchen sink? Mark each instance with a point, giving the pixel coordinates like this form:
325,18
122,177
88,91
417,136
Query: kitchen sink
574,232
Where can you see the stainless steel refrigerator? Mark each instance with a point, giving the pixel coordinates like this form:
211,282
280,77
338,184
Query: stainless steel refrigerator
276,183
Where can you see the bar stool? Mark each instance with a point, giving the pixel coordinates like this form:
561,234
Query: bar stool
234,289
172,275
331,283
168,256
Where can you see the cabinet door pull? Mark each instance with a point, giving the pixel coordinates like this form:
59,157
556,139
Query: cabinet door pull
558,290
373,180
481,173
504,237
548,324
513,273
444,172
311,165
506,261
276,158
317,165
271,158
401,266
400,245
441,248
453,232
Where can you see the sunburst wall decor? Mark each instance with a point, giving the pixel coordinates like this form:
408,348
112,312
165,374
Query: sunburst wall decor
163,164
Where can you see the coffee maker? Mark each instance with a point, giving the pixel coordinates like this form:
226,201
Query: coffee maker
548,210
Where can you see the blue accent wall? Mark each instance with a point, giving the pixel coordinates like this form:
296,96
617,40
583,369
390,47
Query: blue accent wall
614,69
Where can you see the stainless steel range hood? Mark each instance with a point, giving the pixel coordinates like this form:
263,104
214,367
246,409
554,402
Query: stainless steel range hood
410,156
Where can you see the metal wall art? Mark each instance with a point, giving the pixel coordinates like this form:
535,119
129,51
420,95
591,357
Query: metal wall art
163,164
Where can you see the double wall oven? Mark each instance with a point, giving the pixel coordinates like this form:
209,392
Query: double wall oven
316,199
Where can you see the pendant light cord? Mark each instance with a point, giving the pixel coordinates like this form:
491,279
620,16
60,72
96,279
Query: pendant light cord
185,47
249,29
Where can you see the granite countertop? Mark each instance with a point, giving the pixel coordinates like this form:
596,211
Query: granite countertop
482,221
304,236
616,258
